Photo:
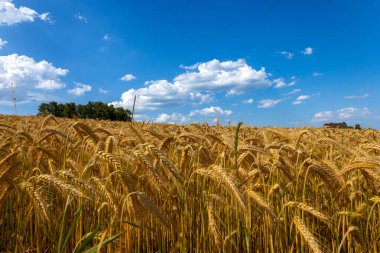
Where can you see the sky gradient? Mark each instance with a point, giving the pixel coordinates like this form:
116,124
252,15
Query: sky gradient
263,62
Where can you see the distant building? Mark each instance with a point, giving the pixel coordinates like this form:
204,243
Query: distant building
336,125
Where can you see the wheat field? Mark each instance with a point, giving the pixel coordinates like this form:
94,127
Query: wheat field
98,186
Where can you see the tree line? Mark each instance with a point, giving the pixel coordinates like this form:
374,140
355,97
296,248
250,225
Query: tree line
93,110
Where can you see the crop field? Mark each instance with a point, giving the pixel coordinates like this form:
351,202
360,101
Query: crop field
98,186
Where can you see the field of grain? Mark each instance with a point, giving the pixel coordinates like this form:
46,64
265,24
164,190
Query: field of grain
68,185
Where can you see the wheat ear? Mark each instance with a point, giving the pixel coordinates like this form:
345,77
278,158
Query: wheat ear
307,235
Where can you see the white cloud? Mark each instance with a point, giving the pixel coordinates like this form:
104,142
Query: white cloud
27,75
287,55
102,91
201,98
81,18
323,116
159,94
29,97
234,76
231,77
358,96
10,14
308,51
316,74
106,37
80,89
300,99
342,114
50,85
46,17
294,91
142,117
37,97
210,111
280,82
172,118
352,112
2,43
248,101
128,77
267,103
191,67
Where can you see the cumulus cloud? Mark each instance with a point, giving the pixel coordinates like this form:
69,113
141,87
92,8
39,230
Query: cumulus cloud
10,14
81,18
357,96
28,75
172,118
323,116
234,76
280,82
267,103
300,99
201,98
210,111
50,85
248,101
2,43
287,55
342,114
158,95
352,112
128,77
231,77
80,89
308,51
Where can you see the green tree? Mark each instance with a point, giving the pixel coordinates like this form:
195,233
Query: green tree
123,115
69,110
111,112
43,109
93,110
81,111
101,111
53,108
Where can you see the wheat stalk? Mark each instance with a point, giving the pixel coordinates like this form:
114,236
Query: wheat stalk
307,235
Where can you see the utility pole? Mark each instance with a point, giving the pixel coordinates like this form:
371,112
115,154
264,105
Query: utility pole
14,97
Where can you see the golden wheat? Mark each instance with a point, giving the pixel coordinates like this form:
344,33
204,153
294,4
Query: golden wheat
186,188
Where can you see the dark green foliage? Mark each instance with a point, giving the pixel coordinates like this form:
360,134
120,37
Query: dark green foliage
93,110
357,126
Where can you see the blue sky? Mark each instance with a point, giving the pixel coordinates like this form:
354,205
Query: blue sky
263,62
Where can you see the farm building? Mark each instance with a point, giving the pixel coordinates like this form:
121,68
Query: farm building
336,125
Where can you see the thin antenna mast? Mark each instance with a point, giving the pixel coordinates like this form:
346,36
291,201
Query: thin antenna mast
14,97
